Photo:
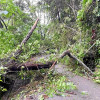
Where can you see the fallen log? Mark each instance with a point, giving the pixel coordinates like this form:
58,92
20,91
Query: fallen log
30,66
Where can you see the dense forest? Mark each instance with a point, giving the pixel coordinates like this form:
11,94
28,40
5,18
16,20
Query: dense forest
47,46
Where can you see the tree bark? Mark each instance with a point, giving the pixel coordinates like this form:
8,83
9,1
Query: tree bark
30,66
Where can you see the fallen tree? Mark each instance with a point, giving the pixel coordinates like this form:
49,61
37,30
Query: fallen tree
30,65
79,61
19,51
74,58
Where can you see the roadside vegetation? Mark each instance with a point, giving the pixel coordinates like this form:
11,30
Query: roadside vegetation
72,25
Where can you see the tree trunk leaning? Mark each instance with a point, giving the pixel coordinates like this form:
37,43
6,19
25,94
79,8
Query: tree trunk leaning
19,51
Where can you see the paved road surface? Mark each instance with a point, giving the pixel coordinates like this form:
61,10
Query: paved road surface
83,84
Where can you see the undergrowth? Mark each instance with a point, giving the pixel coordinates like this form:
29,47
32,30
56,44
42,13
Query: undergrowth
56,85
52,84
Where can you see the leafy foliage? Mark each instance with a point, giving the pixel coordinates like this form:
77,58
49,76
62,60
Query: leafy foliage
61,33
57,85
18,26
2,72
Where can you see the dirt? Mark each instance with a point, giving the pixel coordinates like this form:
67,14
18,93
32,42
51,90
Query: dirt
86,88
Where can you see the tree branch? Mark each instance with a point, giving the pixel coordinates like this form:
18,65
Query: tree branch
78,60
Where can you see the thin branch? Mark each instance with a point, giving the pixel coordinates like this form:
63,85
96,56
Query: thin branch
74,12
90,48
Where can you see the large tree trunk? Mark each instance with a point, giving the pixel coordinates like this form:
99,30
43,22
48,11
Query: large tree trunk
30,66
